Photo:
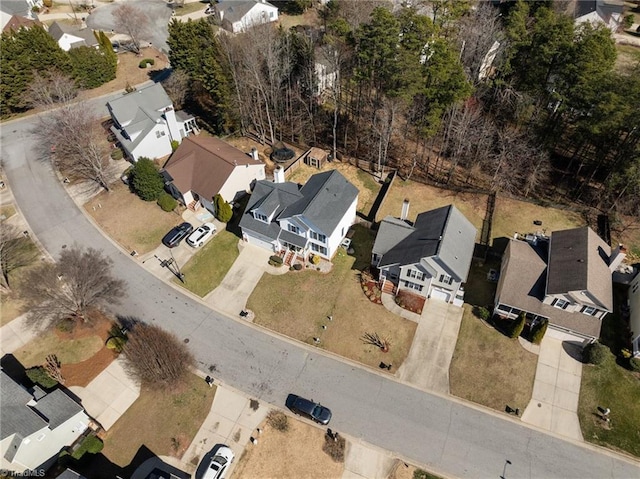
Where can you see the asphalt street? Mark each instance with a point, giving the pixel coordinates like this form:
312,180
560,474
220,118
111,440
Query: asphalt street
438,432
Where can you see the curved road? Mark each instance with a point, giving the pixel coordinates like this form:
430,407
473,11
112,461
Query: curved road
441,433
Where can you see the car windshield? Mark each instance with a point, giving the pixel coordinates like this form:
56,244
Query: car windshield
317,411
218,462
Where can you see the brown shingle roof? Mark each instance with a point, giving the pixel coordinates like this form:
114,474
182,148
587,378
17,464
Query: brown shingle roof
203,165
17,22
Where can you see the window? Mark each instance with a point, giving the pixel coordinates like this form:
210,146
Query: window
318,237
560,303
159,134
590,310
318,249
409,284
294,229
414,273
446,279
260,217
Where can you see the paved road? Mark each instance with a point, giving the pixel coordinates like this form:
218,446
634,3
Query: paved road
440,433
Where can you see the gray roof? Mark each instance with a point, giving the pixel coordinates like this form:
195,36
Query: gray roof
58,408
15,416
579,261
326,198
444,233
323,201
57,31
235,10
522,285
69,474
15,7
138,111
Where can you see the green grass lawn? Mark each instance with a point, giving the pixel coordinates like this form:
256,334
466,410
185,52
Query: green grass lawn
163,421
610,385
69,351
207,268
338,294
490,369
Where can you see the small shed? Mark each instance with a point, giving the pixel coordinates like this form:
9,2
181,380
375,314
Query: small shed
316,157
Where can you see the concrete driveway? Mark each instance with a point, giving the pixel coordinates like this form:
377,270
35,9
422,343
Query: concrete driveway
556,389
427,365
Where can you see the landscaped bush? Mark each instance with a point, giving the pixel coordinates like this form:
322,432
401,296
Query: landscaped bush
539,332
517,326
174,145
147,61
278,420
38,375
224,212
276,261
482,313
595,353
315,259
334,447
90,444
117,154
145,180
634,365
167,202
116,343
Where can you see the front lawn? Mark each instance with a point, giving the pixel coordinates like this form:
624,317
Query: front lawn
165,422
611,386
68,351
207,268
298,304
490,369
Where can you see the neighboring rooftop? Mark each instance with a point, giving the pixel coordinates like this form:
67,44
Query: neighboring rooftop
17,417
58,30
235,10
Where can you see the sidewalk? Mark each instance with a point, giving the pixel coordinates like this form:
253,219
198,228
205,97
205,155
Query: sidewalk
16,334
363,461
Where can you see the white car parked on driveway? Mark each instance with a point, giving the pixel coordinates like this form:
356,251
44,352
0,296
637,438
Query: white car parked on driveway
201,235
219,464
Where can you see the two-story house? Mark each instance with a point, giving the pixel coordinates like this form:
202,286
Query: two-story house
430,257
565,279
145,122
35,426
314,218
240,15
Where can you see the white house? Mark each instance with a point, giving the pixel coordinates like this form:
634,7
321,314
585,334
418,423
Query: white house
634,311
240,15
35,426
71,37
314,218
145,122
430,257
203,167
600,12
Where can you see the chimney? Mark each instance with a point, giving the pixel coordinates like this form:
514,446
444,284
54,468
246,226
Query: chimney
405,209
617,255
278,175
254,154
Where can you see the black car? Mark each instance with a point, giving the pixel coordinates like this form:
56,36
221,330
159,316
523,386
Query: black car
177,234
310,409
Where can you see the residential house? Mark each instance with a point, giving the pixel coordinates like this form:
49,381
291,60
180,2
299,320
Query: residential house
69,37
313,218
145,122
565,279
430,257
17,22
634,312
240,15
35,426
18,8
600,12
326,74
203,167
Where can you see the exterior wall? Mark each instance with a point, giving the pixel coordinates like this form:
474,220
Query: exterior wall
173,126
335,238
152,146
240,180
187,198
404,275
260,13
208,205
578,300
66,40
634,305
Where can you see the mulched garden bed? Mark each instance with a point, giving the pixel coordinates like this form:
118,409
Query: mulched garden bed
410,301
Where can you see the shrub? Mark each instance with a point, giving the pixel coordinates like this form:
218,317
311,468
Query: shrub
276,261
48,3
278,420
517,326
167,202
334,447
634,364
539,332
116,343
627,21
482,313
223,209
595,353
117,154
90,444
38,375
174,145
146,62
146,181
297,267
315,259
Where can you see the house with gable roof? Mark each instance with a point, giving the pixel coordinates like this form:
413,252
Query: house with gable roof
36,426
430,257
565,279
203,167
69,37
240,15
12,13
145,122
312,218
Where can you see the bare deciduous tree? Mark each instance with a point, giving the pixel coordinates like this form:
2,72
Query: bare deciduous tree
16,251
80,281
50,89
133,21
52,367
156,357
177,87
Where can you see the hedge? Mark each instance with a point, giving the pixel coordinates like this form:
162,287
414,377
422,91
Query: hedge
145,62
595,353
117,154
167,202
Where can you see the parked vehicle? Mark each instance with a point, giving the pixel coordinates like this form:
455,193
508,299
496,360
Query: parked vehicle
201,234
217,468
309,409
177,234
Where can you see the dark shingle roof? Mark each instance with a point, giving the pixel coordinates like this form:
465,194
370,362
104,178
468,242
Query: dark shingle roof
15,416
87,38
58,408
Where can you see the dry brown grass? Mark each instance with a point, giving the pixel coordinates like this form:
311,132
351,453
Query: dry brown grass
295,454
133,223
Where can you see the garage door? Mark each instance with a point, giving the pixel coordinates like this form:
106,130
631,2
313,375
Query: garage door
260,242
440,294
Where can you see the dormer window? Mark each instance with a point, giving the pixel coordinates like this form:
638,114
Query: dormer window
560,303
260,217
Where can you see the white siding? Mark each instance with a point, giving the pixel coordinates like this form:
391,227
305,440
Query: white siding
335,238
260,13
152,146
240,181
66,40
